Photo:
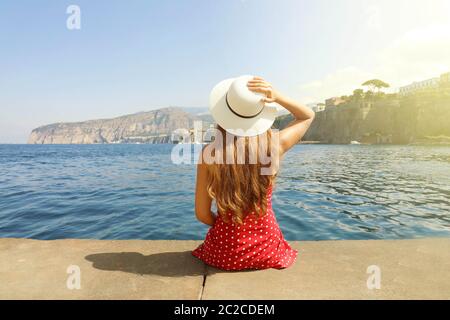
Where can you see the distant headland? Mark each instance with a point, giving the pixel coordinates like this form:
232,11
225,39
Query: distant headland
154,126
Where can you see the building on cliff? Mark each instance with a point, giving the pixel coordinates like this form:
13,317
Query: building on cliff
434,83
414,87
335,101
445,80
317,107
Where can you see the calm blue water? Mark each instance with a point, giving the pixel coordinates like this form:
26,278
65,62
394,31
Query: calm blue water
135,192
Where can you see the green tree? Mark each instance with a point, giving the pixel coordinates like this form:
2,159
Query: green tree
358,94
369,95
375,84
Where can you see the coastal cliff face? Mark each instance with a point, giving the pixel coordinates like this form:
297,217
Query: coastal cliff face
145,127
381,121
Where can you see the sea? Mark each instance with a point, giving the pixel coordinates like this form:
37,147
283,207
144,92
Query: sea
129,191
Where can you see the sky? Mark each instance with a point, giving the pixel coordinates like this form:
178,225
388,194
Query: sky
131,56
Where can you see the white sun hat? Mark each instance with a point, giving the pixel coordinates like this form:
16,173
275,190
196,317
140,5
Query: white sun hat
238,110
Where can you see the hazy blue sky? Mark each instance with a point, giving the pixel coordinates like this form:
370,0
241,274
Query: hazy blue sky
131,56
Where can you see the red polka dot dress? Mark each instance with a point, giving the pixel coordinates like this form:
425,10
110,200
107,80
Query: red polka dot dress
256,244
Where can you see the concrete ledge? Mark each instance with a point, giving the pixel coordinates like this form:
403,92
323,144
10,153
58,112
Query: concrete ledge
140,269
33,269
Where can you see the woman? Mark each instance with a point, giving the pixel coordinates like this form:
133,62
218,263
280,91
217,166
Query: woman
235,172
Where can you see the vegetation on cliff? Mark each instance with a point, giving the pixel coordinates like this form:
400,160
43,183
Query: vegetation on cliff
376,117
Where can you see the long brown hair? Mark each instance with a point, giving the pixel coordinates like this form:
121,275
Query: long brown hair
240,188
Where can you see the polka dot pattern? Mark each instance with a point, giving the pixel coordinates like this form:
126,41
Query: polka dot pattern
256,244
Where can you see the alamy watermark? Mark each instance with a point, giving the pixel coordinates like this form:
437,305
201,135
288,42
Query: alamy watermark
226,148
73,21
374,279
74,278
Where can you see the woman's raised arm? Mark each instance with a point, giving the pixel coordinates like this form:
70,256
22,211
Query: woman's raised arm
303,115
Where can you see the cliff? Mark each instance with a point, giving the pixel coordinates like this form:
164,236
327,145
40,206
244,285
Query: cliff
386,119
146,127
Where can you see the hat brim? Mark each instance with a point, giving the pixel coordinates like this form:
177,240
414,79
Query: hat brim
234,124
